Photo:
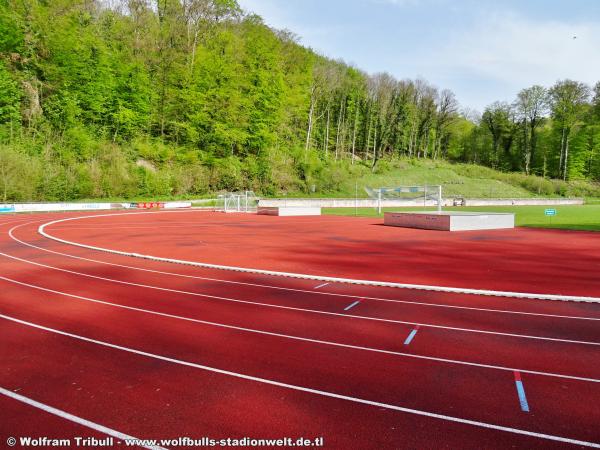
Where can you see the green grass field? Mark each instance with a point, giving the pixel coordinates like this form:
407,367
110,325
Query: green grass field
586,217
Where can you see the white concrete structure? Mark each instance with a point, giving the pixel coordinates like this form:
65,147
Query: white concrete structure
450,220
176,205
44,207
74,206
290,210
448,201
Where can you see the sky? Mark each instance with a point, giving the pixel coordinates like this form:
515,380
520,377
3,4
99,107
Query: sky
483,50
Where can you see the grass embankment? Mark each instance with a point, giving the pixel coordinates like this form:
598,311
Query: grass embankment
572,217
465,180
458,180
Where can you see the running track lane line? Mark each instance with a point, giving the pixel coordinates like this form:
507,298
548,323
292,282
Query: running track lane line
70,417
312,311
521,392
320,286
411,336
314,277
304,339
308,390
266,286
352,305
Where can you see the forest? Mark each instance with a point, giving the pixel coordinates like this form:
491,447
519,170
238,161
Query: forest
130,98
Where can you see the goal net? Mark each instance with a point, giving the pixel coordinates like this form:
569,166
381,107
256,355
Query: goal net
406,196
245,201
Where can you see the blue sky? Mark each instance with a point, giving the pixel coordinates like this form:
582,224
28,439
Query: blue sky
481,49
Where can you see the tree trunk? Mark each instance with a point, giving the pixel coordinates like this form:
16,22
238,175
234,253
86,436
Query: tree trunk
437,146
566,158
368,146
339,128
354,134
495,157
437,143
545,165
533,142
426,142
327,135
592,148
527,151
374,149
412,143
310,125
562,147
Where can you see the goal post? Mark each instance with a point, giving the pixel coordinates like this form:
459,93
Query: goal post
245,201
406,196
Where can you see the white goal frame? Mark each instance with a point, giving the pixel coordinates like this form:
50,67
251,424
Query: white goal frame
429,192
245,201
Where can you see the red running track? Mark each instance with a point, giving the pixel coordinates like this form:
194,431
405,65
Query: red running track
156,350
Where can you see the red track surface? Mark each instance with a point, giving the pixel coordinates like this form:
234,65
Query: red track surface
523,260
298,363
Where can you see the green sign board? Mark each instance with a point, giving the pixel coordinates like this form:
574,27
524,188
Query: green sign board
550,212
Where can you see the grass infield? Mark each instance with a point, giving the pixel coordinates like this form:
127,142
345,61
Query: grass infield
572,217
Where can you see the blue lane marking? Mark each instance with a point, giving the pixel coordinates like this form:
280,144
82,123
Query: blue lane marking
352,305
522,397
410,336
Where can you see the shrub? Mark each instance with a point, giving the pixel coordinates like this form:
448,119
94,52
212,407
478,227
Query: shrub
19,175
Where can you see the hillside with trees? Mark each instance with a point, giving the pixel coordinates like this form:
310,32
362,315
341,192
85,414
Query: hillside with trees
129,98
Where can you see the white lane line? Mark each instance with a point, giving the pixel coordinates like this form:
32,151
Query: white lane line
299,338
293,308
114,227
70,417
352,305
306,389
267,286
484,292
320,286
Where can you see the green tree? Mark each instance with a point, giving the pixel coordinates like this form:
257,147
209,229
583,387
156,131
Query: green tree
568,101
10,102
531,105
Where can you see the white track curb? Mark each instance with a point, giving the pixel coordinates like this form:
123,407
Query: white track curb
454,290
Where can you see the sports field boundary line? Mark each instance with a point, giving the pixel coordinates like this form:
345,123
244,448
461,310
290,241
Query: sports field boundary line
308,390
72,418
304,339
284,288
574,298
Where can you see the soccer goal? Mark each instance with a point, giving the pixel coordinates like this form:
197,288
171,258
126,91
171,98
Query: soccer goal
245,201
406,196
